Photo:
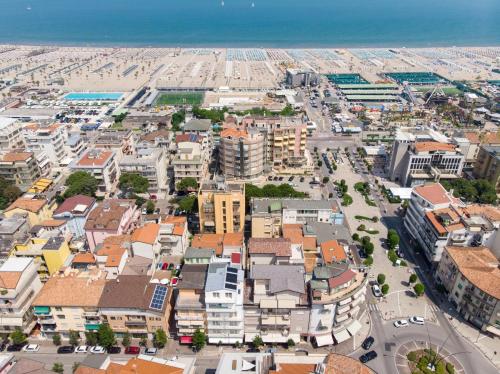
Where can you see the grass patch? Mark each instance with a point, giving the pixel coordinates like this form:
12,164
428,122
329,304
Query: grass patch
179,98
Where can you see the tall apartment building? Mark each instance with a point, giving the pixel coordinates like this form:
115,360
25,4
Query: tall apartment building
241,154
224,303
221,207
132,303
21,168
276,304
414,163
120,142
471,277
487,165
190,161
102,165
49,139
150,163
269,215
10,134
190,308
19,285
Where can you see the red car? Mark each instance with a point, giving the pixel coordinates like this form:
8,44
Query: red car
132,350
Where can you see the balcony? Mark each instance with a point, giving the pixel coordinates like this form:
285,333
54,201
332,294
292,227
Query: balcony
281,320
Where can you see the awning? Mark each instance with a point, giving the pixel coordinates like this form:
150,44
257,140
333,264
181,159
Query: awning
186,339
42,310
354,327
92,326
323,340
494,330
341,336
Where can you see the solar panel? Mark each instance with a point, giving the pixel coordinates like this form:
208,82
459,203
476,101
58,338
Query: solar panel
232,270
231,278
230,286
158,298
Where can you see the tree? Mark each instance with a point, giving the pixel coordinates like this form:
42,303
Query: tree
355,236
419,289
58,368
150,207
413,278
320,163
385,289
188,203
91,338
160,338
133,182
177,119
74,337
126,340
199,339
187,184
257,342
56,339
381,278
325,180
368,261
290,343
143,342
8,193
369,248
106,336
392,238
18,337
80,183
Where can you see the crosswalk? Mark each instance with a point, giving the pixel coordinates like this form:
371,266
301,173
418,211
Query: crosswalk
373,307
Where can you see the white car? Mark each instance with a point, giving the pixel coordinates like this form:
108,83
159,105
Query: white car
81,349
401,323
31,348
417,320
376,290
97,349
151,351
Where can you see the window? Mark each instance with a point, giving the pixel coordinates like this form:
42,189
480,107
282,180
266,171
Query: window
112,318
460,286
58,308
229,294
216,294
61,316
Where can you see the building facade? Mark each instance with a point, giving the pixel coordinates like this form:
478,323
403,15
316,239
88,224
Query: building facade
190,161
20,168
49,139
150,163
487,165
101,165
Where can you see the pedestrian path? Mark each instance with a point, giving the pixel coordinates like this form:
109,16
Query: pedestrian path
373,308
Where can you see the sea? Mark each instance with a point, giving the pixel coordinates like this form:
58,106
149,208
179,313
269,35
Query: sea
251,23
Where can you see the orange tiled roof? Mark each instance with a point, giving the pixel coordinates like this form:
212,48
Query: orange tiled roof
232,132
434,193
213,241
9,279
146,234
280,247
233,239
17,156
100,158
293,231
332,251
310,243
84,258
434,146
294,369
489,211
30,205
52,223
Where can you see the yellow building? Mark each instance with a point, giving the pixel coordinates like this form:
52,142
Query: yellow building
49,253
40,186
38,210
221,207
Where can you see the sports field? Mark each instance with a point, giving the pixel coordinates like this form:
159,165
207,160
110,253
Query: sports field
179,98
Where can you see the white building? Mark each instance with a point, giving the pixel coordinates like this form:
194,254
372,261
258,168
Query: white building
224,303
190,161
10,134
19,285
49,139
151,164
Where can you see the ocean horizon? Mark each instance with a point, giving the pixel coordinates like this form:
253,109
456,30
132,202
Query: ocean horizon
251,23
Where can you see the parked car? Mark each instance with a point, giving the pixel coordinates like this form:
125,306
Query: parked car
368,356
31,348
368,342
97,349
376,290
401,323
151,351
15,347
132,350
65,349
3,345
417,320
114,350
81,349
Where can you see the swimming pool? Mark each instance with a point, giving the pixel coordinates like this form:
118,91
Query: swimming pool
93,96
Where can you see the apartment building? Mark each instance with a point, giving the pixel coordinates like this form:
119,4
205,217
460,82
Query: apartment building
487,165
134,304
414,163
224,303
59,311
36,210
269,215
150,163
119,142
190,308
13,230
471,276
190,161
74,211
47,138
19,285
10,134
276,304
241,154
74,145
436,219
173,235
102,165
229,246
273,251
221,207
111,217
145,241
20,168
336,292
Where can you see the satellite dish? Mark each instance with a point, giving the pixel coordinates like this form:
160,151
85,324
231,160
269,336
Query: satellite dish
165,281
